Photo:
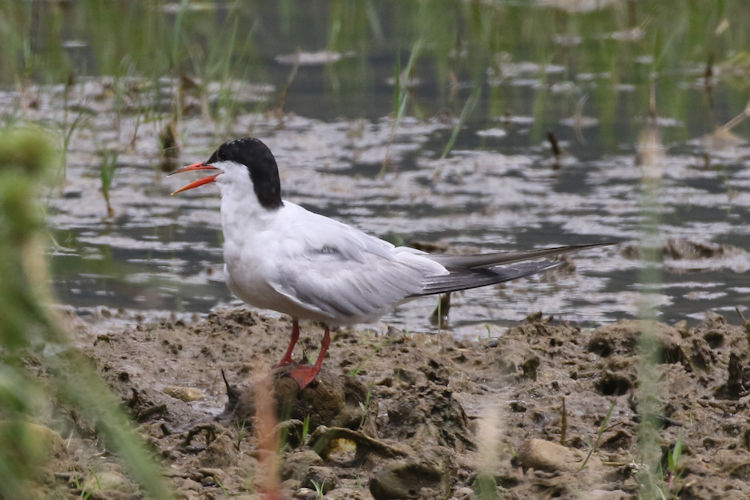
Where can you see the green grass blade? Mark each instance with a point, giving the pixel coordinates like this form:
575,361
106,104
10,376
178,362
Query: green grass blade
468,108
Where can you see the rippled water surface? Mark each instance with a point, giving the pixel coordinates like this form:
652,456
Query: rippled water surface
341,153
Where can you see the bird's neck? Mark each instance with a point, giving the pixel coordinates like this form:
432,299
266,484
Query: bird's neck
243,217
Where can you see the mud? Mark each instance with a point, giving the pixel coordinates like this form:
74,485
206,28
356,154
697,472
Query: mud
399,415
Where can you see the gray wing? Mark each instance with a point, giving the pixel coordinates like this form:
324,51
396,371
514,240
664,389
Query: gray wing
344,289
471,271
347,275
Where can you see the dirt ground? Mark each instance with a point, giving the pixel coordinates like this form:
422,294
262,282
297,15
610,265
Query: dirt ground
399,415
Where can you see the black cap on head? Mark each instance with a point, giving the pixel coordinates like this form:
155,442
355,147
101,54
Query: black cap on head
261,166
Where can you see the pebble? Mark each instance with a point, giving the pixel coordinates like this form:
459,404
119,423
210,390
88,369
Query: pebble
324,477
548,456
186,394
305,494
107,481
464,493
297,464
406,478
42,446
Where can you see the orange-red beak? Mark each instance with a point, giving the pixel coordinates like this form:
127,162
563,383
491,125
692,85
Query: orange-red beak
199,182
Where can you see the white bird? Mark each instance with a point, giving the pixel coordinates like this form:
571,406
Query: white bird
280,256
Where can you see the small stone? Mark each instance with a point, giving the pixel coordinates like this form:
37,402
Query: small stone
305,494
405,478
324,477
219,453
186,394
608,495
464,493
347,494
34,444
209,471
291,485
107,482
297,464
548,456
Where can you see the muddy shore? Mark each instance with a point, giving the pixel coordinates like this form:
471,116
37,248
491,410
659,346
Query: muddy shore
398,415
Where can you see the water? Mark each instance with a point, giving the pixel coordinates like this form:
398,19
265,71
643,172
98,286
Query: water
496,190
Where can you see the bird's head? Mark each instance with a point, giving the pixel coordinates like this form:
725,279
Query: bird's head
243,165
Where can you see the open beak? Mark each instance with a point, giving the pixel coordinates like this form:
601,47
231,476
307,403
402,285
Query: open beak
199,182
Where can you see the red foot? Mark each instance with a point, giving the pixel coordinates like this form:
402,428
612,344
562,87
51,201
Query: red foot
304,375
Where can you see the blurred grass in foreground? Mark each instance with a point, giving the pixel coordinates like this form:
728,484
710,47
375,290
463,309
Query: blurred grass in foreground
649,391
32,344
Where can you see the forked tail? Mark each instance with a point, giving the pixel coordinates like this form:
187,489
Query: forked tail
471,271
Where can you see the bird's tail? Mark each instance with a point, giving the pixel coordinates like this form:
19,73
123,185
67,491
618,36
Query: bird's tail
471,271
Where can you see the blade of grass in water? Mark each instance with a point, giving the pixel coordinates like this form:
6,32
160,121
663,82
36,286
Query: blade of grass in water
396,83
175,52
402,82
107,174
400,96
468,108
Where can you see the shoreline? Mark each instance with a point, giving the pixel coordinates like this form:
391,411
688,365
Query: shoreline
417,409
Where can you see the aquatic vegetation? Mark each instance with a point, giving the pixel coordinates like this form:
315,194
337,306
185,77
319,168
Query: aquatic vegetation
401,94
107,174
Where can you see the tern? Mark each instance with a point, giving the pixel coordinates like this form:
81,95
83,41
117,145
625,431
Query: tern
281,256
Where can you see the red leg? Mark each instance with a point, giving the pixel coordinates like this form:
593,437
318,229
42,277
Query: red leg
306,374
287,359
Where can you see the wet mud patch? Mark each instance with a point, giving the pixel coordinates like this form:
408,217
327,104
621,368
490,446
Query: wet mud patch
400,415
